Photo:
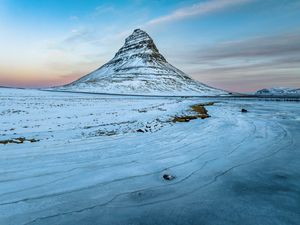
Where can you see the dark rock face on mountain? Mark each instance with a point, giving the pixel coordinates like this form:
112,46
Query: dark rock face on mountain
139,68
139,44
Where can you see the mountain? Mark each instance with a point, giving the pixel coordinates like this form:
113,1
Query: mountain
279,91
138,68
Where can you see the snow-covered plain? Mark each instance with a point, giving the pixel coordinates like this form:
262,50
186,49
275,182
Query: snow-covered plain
101,160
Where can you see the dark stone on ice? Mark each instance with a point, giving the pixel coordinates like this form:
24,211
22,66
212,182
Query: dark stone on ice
168,177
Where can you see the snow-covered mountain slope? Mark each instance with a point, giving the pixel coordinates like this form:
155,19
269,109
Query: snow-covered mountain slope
139,68
280,91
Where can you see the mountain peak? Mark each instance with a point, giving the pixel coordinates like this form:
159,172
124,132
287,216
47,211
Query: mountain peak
139,31
137,36
139,44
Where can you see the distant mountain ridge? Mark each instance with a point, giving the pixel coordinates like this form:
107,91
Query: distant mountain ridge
139,68
279,91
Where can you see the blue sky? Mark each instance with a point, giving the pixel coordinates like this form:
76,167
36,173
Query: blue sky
238,45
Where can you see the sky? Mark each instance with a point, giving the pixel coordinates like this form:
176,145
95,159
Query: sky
236,45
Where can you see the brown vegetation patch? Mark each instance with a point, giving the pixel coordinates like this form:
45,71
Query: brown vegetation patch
184,118
199,109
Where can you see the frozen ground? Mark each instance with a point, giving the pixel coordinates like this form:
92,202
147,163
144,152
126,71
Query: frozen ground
101,160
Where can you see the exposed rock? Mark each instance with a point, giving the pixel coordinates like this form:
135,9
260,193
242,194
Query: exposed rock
19,140
168,177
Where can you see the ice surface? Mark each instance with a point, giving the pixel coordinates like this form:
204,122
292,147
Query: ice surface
91,166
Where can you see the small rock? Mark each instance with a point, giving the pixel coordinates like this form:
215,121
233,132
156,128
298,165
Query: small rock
168,177
33,140
19,140
142,110
140,131
244,110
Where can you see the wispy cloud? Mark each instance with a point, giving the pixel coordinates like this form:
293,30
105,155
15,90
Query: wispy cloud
198,9
102,9
272,60
281,45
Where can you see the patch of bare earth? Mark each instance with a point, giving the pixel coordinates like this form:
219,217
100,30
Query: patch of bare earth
19,140
199,109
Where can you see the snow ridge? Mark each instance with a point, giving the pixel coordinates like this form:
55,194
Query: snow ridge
139,68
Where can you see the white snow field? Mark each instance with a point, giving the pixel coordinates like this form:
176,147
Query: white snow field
102,159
